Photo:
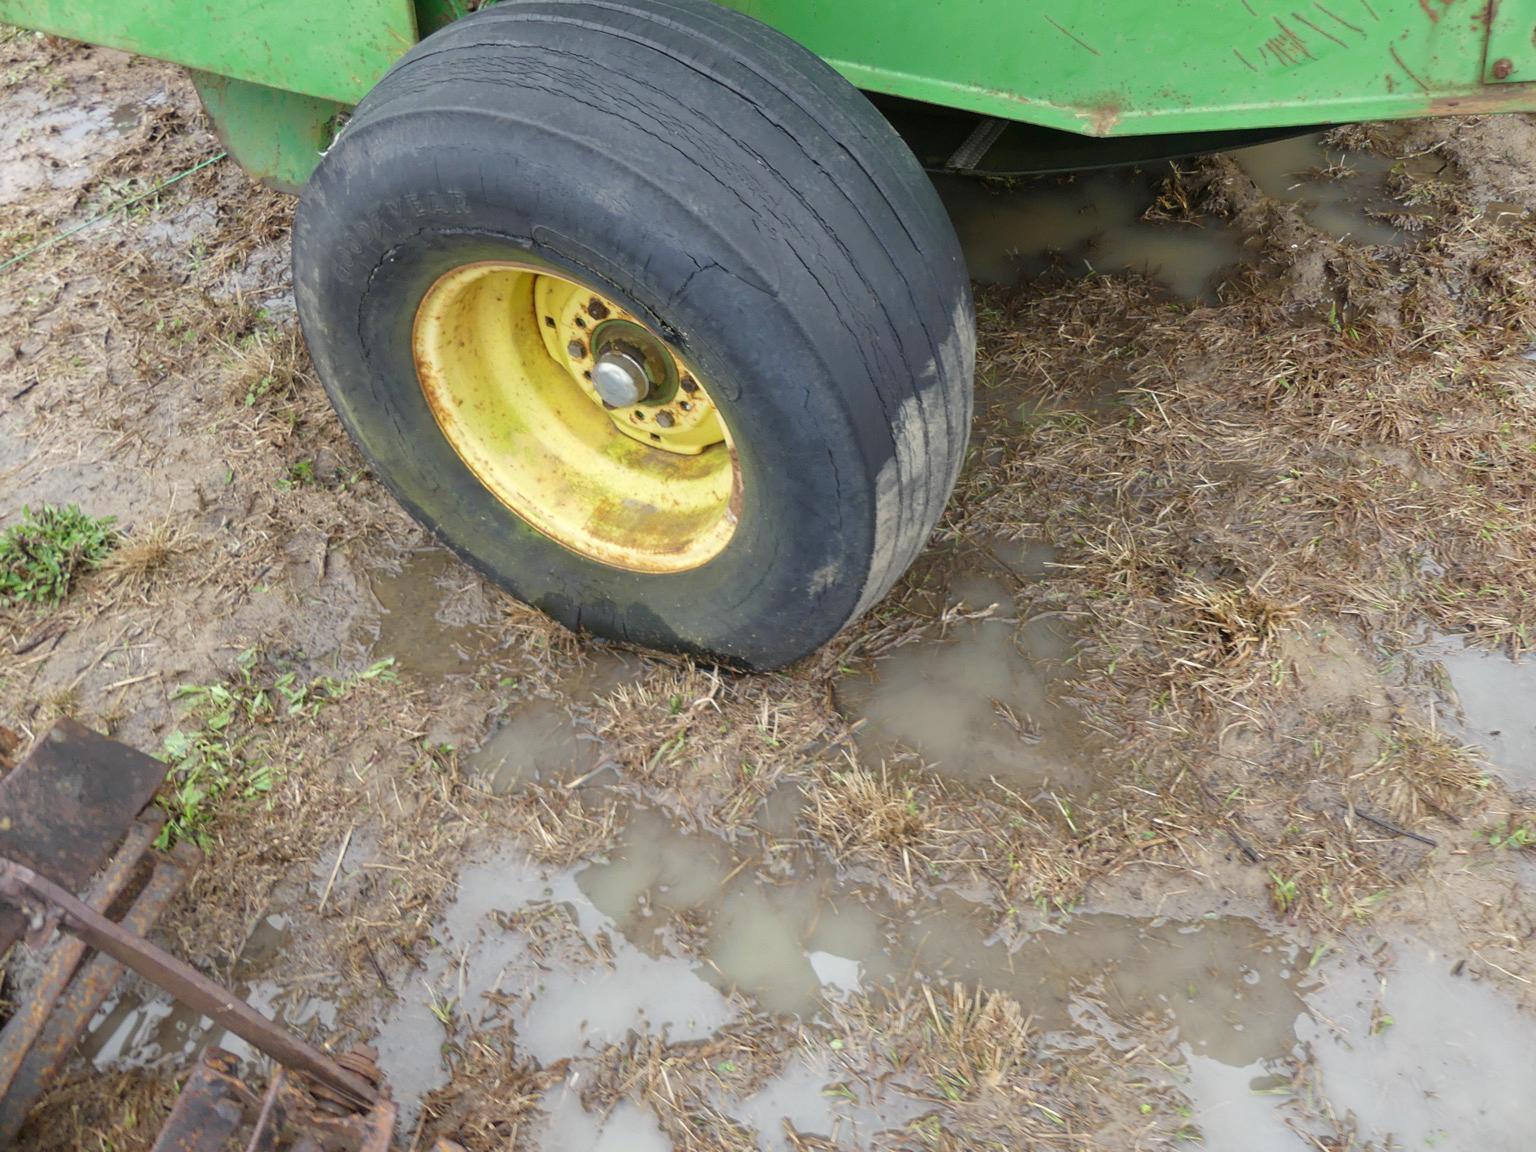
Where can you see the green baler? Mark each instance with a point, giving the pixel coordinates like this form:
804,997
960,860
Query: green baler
648,311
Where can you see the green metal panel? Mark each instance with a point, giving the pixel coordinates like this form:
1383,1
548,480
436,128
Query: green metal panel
1101,67
335,51
1511,56
274,135
1118,67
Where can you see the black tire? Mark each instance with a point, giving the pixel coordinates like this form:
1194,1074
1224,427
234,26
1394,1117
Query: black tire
710,174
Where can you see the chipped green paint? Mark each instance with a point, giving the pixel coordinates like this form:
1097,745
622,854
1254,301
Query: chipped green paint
1098,67
1127,67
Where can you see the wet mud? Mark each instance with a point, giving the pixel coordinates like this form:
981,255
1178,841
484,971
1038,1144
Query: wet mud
507,862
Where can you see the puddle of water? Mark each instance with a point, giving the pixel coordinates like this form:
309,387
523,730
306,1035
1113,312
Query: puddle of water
582,985
539,739
801,1097
1090,224
127,115
1445,1062
1093,222
625,1129
1290,171
1496,695
545,739
1227,986
45,146
1234,1106
418,626
982,702
658,937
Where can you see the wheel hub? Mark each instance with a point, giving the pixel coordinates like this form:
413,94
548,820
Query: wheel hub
649,396
577,416
620,379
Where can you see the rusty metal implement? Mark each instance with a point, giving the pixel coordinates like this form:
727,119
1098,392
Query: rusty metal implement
63,811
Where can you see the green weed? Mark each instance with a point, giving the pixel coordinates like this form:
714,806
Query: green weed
220,753
1515,836
1285,893
300,474
43,554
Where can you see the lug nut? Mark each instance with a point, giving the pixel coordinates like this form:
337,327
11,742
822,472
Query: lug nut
576,349
597,309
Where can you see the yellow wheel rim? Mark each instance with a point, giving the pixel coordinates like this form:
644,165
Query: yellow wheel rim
505,354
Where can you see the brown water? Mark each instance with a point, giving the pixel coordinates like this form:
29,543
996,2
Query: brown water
671,935
1496,697
1342,205
1096,222
550,737
984,700
432,621
679,933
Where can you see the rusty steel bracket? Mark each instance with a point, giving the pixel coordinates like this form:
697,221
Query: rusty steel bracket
62,811
37,1041
215,1104
22,886
64,808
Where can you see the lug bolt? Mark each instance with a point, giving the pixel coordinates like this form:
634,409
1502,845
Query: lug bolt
597,309
664,419
576,349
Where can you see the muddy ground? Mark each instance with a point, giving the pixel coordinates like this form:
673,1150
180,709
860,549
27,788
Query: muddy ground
1183,791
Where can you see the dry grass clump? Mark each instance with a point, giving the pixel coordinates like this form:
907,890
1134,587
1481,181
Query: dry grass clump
546,643
145,559
689,1086
1231,626
1324,869
991,1082
560,825
1422,773
1044,851
711,745
855,812
94,1111
491,1101
978,1039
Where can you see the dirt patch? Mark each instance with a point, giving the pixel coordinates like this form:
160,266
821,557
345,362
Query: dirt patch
1122,806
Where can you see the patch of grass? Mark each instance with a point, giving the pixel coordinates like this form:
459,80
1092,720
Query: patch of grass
1513,835
856,811
143,558
992,1083
217,756
300,474
492,1100
1420,772
1284,892
43,554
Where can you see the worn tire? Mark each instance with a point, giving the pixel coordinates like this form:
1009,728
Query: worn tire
709,174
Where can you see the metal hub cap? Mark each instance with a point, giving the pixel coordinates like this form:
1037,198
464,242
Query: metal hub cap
577,416
620,379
